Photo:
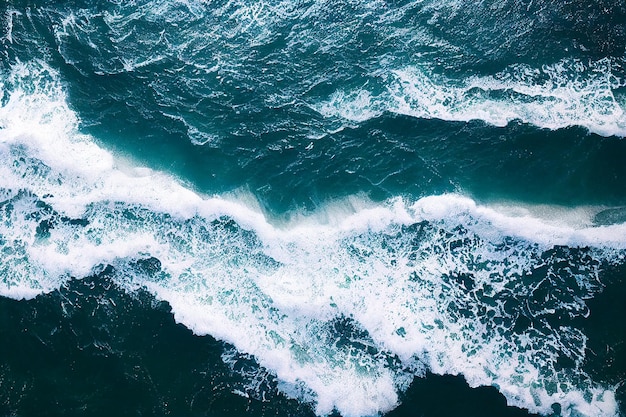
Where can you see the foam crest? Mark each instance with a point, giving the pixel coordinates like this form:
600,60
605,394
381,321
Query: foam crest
568,93
344,307
8,24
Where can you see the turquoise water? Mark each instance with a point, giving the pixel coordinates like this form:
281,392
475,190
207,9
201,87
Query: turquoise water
306,208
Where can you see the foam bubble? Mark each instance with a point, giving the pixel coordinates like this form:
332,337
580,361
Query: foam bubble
345,306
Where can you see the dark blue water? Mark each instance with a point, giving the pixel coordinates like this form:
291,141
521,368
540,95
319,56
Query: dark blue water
300,208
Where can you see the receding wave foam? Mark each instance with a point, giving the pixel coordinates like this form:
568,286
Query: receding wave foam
568,93
345,312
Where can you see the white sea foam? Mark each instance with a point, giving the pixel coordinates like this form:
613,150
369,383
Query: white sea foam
568,93
8,25
344,307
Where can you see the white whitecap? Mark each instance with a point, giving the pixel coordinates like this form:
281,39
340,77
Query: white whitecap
567,93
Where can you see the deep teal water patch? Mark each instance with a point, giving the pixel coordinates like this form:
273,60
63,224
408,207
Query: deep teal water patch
92,349
606,357
456,399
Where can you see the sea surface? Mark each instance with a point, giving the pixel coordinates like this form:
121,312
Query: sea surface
313,208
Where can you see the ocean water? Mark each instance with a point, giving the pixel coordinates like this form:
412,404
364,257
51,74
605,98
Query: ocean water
313,208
